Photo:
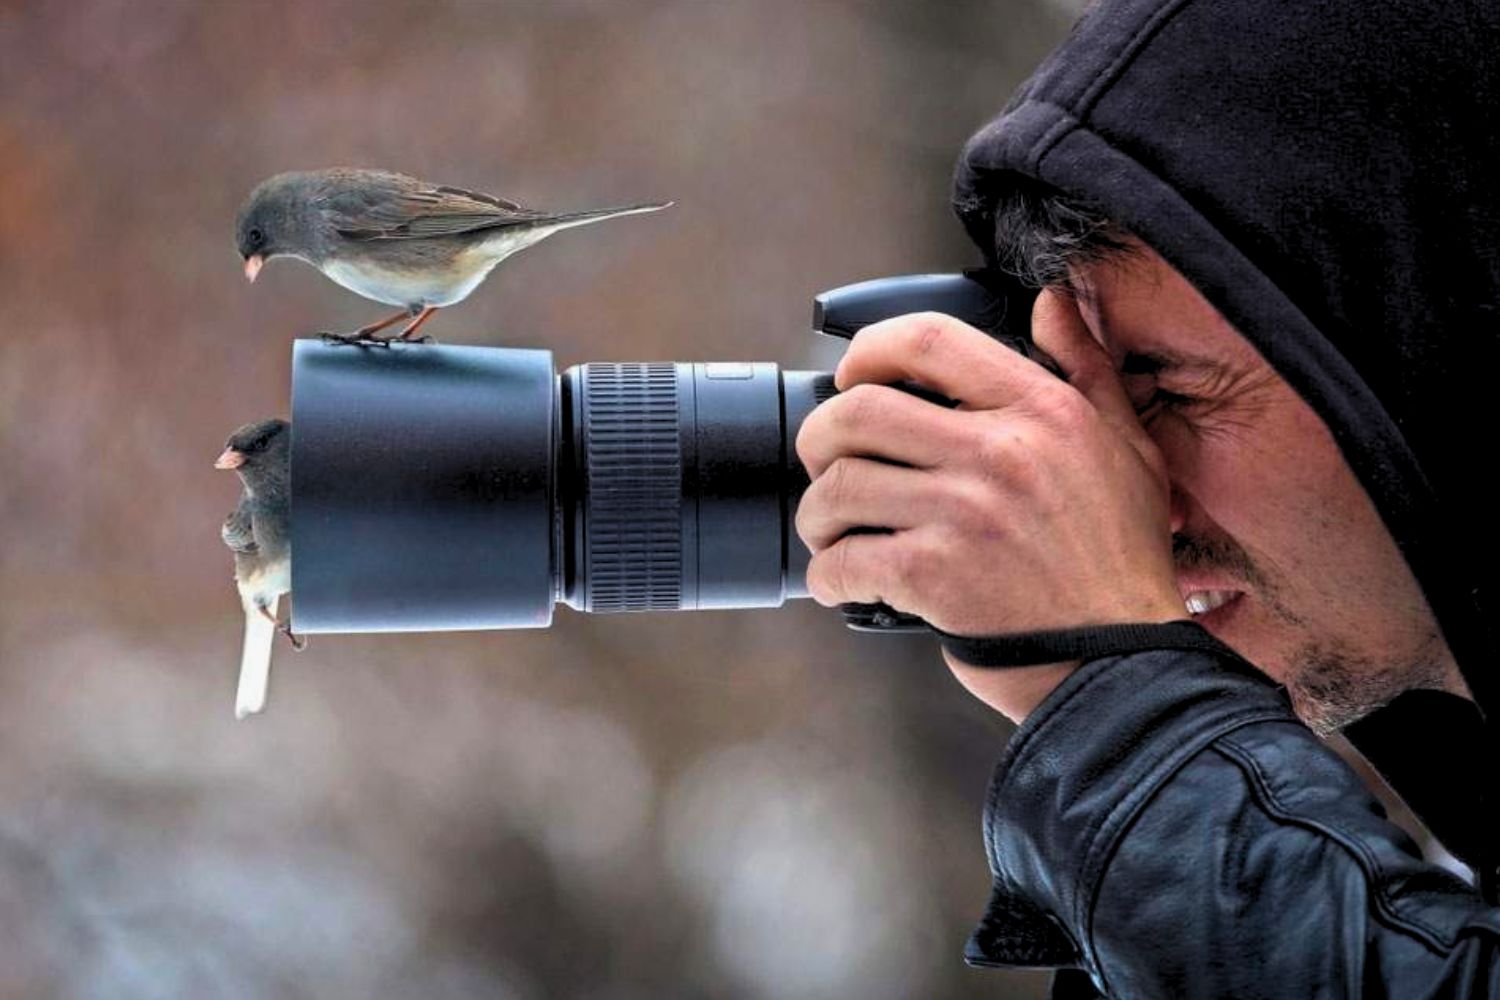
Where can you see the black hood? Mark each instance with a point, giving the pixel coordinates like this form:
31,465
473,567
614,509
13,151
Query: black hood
1328,175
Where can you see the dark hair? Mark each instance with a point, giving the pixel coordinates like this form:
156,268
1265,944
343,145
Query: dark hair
1040,233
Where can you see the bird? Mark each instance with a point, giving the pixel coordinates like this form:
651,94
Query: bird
393,238
258,532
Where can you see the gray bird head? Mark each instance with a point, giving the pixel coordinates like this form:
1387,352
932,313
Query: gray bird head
259,452
279,219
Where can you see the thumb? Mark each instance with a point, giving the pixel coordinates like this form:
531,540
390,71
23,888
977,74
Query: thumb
1057,327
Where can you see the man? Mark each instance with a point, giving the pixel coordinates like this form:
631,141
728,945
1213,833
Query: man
1268,232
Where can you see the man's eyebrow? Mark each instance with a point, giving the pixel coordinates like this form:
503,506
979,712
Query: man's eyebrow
1153,362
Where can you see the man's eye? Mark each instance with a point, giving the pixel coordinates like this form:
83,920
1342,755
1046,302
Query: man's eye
1160,400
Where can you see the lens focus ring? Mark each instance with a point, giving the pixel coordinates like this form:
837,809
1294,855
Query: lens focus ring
633,487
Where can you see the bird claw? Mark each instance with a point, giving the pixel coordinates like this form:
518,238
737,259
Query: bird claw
355,339
298,642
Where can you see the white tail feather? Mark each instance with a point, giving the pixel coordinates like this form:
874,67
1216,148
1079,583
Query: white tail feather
600,214
506,240
255,661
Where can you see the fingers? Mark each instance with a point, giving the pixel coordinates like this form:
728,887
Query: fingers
1032,506
860,569
943,354
1058,328
877,421
863,493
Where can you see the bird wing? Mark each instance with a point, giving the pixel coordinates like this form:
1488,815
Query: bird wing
238,530
374,205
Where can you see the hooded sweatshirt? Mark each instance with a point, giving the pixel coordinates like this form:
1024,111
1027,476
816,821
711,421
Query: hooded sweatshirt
1325,172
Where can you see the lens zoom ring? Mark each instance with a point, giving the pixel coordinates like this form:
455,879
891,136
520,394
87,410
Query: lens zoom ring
633,464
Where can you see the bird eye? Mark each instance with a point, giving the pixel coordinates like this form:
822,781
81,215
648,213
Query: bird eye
256,237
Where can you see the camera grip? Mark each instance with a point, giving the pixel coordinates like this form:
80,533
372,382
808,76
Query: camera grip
881,618
989,302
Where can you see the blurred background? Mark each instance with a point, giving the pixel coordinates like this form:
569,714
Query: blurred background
745,804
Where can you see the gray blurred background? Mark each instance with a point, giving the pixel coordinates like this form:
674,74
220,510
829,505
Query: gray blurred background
750,804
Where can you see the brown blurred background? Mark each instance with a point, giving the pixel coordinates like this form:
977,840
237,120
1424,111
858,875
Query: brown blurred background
750,804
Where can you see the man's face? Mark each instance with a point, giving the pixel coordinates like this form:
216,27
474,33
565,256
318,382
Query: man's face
1278,548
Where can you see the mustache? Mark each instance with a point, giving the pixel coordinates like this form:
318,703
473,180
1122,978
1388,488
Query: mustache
1217,552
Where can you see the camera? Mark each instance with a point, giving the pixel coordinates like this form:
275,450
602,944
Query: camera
443,487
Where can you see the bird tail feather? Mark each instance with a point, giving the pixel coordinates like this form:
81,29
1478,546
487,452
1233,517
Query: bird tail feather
568,220
255,660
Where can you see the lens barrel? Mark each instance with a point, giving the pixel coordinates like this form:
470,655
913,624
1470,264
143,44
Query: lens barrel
686,483
438,487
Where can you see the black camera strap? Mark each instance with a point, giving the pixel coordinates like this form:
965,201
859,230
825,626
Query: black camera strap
1028,649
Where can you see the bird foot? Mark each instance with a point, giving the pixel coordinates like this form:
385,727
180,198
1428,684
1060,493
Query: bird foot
357,339
298,642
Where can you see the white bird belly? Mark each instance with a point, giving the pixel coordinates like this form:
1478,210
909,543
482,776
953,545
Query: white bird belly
401,287
266,584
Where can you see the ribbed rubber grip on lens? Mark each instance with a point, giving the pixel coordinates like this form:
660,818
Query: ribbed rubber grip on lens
633,477
824,389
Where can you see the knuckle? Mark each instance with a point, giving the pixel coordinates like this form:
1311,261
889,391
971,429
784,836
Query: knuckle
918,570
843,570
856,406
807,434
836,482
971,509
929,330
901,569
1010,462
911,564
830,575
1062,406
998,450
817,580
802,521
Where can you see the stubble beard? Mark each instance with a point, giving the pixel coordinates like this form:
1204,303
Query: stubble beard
1331,682
1331,686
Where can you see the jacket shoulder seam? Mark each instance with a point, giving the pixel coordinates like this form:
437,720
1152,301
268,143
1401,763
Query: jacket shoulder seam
1105,836
1385,907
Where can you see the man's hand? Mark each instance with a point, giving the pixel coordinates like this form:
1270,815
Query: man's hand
1035,504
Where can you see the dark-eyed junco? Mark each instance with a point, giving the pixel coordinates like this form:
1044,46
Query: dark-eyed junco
393,238
259,534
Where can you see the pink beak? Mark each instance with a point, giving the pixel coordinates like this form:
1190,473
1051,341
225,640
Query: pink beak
231,459
253,264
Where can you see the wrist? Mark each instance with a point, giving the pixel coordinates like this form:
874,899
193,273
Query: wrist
1014,692
1004,671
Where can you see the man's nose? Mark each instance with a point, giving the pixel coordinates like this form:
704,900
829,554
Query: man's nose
1177,509
1179,464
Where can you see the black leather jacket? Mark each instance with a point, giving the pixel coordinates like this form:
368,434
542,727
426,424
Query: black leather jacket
1166,824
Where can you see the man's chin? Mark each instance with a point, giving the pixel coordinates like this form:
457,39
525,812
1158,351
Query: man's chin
1333,686
1325,717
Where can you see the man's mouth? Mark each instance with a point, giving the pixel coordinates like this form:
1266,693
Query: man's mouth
1201,602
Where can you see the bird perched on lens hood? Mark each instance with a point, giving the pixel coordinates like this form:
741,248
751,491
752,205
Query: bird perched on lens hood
393,238
259,534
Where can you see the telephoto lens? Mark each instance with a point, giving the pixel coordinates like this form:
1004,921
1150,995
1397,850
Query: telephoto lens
445,487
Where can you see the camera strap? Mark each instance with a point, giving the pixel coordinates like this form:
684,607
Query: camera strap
1028,649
